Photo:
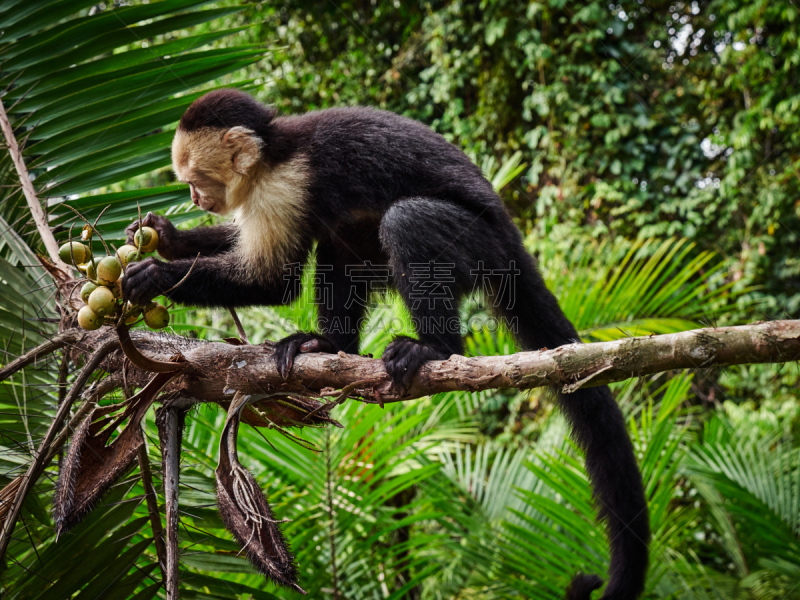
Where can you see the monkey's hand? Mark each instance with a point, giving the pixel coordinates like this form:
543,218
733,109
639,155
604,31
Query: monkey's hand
297,343
169,246
145,280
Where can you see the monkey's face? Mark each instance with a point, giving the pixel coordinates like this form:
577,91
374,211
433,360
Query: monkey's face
218,165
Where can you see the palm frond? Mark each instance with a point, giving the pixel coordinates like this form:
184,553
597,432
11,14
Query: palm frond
92,96
92,92
752,485
614,290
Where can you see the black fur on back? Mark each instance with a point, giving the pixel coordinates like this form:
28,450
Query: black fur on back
370,158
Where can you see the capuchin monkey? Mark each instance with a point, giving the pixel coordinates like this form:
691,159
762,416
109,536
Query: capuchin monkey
381,193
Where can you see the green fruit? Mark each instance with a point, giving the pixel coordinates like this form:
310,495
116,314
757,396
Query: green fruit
108,270
76,249
88,319
102,301
156,316
127,254
87,289
146,239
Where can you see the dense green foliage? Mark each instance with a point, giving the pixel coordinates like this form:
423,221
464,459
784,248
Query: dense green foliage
636,119
650,152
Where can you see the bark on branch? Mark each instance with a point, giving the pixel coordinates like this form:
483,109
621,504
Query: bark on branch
214,371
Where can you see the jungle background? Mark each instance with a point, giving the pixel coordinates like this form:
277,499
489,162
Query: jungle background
650,152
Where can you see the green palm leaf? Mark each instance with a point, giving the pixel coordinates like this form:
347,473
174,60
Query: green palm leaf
751,481
98,117
351,498
612,290
92,96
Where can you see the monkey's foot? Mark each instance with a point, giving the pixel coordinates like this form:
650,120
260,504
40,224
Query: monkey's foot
292,345
404,356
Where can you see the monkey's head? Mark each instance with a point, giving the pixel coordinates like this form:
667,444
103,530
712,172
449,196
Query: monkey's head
218,148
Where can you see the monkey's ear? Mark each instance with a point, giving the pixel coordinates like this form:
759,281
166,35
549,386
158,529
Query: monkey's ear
245,148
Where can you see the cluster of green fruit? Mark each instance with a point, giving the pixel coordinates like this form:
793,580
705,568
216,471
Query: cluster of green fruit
102,293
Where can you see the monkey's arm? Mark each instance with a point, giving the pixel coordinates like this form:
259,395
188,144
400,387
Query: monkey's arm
174,244
214,281
208,241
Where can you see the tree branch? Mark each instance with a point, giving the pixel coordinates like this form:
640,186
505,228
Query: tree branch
214,370
39,217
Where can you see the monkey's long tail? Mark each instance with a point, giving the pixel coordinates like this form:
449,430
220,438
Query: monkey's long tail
598,427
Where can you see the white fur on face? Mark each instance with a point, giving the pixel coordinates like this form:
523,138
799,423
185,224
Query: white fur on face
268,201
201,159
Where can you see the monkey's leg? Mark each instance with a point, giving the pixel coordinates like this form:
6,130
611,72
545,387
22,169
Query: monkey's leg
483,249
339,311
434,248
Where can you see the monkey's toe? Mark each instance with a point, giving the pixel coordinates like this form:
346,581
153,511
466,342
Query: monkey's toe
404,356
292,345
